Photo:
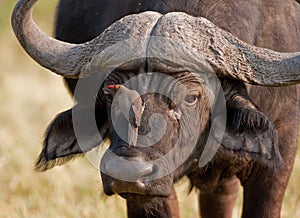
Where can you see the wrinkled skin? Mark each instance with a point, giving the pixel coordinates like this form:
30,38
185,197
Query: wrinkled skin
268,111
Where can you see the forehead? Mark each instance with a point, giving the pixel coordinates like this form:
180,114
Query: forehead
157,82
169,86
166,86
159,75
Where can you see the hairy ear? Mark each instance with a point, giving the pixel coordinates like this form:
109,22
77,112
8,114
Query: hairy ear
61,142
253,134
248,131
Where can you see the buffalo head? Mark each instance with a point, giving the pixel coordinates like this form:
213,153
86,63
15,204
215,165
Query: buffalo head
148,84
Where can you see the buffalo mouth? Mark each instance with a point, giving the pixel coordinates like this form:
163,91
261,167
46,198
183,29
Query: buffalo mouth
140,189
133,176
150,189
116,186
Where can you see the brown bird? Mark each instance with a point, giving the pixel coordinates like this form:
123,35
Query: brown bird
132,107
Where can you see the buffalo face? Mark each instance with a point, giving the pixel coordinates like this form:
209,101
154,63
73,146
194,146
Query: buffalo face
167,134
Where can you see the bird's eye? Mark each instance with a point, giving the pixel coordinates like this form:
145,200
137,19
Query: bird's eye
191,99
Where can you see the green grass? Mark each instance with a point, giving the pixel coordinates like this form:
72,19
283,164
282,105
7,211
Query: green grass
30,96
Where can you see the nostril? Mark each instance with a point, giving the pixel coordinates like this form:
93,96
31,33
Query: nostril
148,169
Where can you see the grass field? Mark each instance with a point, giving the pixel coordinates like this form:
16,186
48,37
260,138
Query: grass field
30,96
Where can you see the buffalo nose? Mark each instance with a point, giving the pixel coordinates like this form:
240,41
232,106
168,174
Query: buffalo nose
124,168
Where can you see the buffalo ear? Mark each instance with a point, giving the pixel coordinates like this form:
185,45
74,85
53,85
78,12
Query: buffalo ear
251,133
61,144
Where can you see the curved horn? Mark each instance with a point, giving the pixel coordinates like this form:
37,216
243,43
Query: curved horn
59,57
68,59
229,56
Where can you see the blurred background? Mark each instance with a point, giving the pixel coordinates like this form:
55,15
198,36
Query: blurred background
30,97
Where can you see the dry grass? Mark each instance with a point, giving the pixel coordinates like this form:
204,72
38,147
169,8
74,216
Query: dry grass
30,96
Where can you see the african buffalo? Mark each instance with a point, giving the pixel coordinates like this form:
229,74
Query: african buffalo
143,75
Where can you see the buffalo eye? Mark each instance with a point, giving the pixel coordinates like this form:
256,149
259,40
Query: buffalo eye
191,99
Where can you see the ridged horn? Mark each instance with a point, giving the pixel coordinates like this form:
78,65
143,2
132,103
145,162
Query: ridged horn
229,56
